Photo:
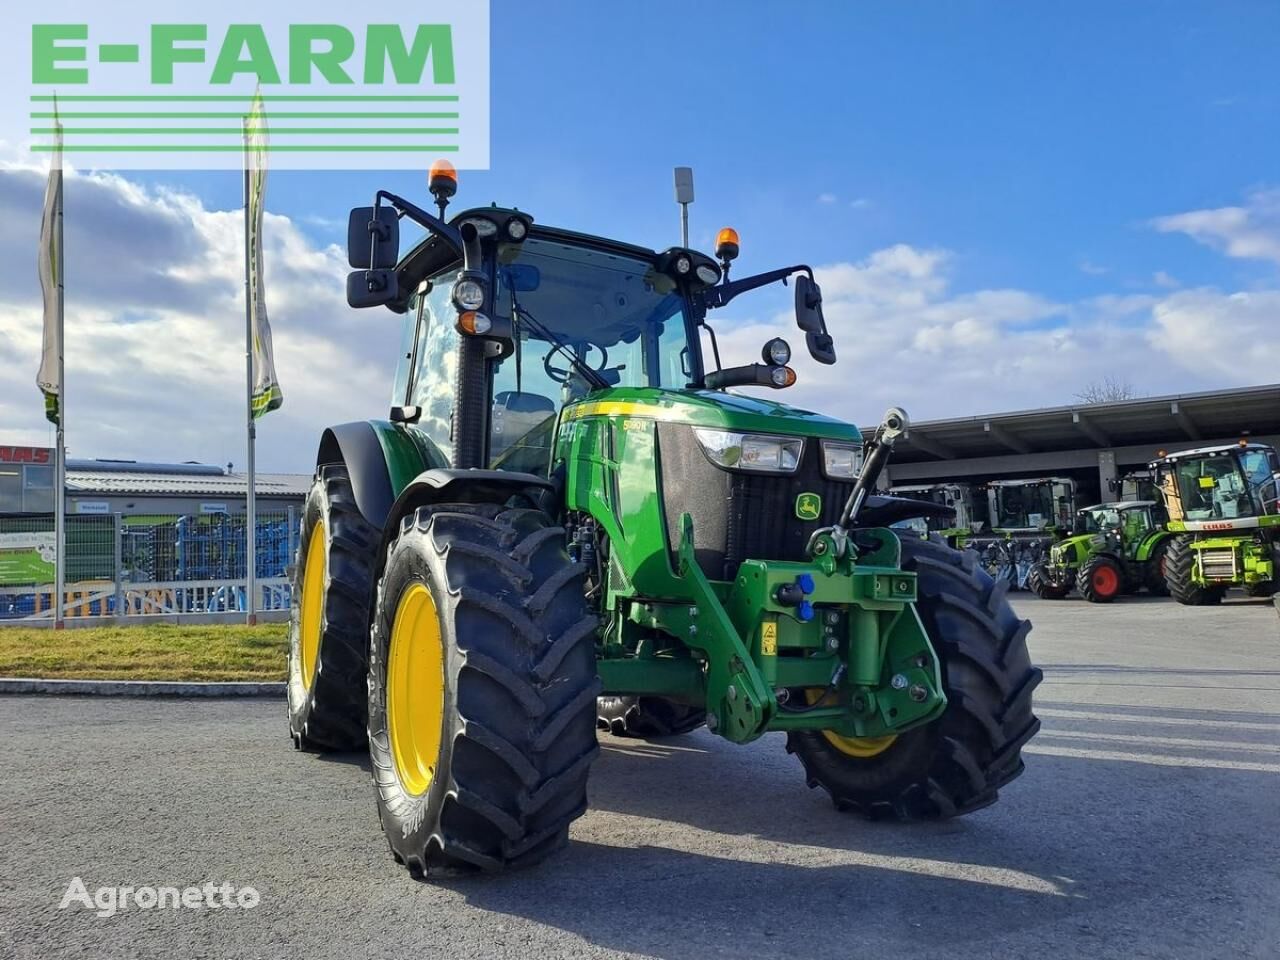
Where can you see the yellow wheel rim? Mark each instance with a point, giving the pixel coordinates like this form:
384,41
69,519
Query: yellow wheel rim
415,689
859,747
312,613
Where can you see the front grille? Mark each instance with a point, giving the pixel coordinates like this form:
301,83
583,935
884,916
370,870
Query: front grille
1219,564
737,515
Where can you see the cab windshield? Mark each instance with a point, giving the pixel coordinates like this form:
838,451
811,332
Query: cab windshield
1222,487
1032,506
617,315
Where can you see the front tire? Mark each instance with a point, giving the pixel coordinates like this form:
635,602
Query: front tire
482,690
958,763
648,716
329,617
1043,585
1179,571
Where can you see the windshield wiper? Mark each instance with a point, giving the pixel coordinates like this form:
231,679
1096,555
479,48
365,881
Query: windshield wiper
591,376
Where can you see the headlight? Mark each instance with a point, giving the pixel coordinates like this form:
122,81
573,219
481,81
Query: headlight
841,461
749,451
468,294
516,229
683,265
707,273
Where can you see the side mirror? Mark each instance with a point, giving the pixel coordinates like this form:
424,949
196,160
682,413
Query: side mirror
373,238
371,288
809,319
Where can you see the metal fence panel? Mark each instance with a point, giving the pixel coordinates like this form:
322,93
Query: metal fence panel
129,565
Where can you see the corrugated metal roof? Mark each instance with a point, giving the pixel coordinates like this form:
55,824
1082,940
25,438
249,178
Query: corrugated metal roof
1151,421
81,480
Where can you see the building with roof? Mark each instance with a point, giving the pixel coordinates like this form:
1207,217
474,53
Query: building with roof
130,487
1094,444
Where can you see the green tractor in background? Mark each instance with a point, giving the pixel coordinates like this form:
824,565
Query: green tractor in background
1026,517
1224,504
1116,548
966,514
566,503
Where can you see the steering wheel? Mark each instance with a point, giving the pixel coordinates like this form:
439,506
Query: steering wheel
562,374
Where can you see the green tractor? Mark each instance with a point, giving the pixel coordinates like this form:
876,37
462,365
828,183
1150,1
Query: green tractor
1026,517
1224,504
966,517
564,503
1116,548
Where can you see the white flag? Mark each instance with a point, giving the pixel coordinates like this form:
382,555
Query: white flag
266,393
50,263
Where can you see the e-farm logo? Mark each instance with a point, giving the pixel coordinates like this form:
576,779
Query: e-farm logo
141,87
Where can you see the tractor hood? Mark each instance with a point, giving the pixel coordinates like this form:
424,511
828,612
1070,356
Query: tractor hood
1074,550
711,408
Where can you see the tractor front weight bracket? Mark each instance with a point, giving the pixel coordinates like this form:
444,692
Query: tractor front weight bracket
855,646
740,703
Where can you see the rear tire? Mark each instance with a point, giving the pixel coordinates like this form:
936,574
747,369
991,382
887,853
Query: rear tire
326,687
1100,580
1040,583
508,696
958,763
647,716
1259,590
1178,570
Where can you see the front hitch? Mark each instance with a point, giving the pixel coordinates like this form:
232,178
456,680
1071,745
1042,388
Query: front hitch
831,544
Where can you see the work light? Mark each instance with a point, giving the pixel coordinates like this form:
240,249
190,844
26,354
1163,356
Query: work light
468,294
841,461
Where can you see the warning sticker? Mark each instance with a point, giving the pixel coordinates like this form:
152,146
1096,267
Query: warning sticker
769,639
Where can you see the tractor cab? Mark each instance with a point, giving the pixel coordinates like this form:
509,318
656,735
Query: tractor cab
1031,506
1218,488
1120,526
969,514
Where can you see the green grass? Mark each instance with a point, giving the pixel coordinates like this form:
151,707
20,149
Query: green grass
159,652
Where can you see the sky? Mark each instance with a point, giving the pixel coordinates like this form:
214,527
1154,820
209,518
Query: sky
1003,202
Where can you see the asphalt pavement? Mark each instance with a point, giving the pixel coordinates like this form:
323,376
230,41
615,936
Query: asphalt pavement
1147,825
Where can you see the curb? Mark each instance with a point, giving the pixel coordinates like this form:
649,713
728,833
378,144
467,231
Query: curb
140,688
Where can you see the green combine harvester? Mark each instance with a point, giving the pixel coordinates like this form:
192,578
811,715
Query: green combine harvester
565,502
1224,504
1025,518
966,516
1116,548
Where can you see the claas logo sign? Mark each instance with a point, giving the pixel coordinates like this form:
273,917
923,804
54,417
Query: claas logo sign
26,455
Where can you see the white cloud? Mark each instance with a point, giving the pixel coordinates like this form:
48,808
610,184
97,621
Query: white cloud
155,329
1093,269
904,337
827,198
859,202
1251,231
1162,279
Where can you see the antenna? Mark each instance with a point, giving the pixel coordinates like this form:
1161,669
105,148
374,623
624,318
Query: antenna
684,197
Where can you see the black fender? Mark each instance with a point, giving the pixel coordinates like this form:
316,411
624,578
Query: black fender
882,511
465,486
356,445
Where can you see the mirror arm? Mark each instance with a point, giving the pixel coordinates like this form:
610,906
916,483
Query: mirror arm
447,233
720,295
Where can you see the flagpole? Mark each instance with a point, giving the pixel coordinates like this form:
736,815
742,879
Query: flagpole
60,455
251,511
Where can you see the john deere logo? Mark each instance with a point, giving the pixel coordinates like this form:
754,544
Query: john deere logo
808,506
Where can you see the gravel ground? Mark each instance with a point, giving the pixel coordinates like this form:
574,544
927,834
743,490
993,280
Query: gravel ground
1146,825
